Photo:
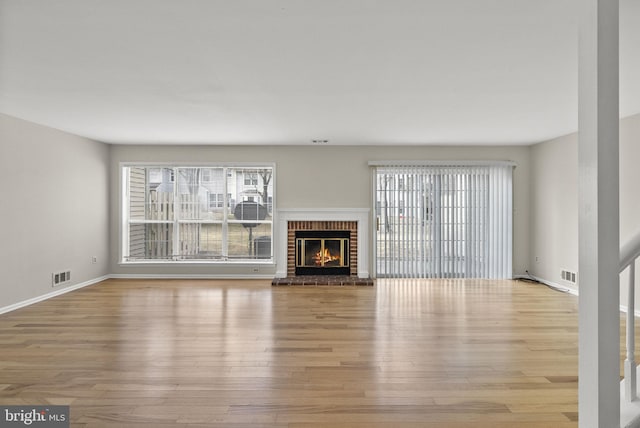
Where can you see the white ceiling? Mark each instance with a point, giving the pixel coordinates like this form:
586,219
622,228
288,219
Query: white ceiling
289,71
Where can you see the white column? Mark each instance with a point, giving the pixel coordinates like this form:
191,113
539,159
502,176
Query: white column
599,317
630,379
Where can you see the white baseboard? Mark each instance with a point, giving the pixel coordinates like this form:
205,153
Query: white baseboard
55,293
559,287
61,291
189,276
624,309
551,284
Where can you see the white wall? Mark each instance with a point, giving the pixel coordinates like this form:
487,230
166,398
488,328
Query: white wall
316,177
629,177
54,212
554,200
554,209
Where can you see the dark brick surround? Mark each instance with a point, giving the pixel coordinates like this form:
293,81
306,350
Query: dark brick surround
351,226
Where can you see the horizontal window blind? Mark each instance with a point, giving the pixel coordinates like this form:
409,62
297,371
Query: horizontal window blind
444,221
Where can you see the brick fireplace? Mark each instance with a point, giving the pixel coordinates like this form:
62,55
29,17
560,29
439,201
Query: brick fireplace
351,227
354,221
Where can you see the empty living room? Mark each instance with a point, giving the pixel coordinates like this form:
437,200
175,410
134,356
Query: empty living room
319,214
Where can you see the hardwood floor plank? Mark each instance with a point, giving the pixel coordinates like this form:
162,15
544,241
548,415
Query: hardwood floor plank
204,353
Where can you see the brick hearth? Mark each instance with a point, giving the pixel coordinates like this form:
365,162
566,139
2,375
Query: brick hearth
313,280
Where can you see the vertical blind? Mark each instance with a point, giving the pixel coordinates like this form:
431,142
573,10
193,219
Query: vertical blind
444,220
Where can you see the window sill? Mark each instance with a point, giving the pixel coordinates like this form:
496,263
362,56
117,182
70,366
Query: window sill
198,263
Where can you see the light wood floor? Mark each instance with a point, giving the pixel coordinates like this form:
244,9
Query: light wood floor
178,353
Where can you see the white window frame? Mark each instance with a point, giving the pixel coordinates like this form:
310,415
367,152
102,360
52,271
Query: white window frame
124,199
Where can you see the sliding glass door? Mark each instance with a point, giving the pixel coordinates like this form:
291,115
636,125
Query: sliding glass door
443,221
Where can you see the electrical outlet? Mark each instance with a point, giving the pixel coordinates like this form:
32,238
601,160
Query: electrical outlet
94,259
256,269
537,259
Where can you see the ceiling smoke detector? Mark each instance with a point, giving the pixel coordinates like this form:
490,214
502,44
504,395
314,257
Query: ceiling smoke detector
319,141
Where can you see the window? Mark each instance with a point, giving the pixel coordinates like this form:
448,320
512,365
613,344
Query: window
444,221
207,175
186,213
216,200
250,179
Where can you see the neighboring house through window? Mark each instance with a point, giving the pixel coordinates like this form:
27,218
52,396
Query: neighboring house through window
216,200
251,179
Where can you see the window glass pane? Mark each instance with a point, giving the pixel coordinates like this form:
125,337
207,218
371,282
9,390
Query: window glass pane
250,243
150,241
211,240
150,194
200,241
137,193
200,193
250,185
248,212
155,175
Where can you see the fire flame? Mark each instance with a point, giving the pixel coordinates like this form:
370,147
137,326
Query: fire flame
321,258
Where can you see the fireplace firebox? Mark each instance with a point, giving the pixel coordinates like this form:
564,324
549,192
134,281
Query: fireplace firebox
322,252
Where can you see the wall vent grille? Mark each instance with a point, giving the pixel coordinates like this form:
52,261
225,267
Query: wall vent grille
569,276
60,278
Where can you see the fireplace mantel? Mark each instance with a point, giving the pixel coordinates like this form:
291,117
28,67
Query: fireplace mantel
361,215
